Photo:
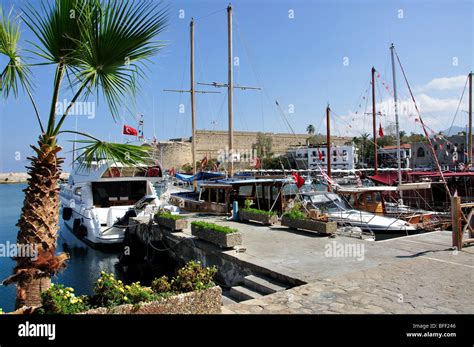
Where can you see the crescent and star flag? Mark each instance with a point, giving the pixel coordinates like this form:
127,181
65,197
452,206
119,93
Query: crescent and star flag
128,130
380,130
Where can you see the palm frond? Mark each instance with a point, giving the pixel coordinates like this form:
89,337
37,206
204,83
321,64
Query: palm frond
16,72
57,29
95,150
118,38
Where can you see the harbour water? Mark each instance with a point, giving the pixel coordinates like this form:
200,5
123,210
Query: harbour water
83,266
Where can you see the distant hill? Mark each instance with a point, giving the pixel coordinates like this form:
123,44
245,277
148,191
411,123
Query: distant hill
454,130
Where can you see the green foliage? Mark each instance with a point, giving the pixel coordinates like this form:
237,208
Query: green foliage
264,146
187,168
214,227
295,215
248,203
193,277
117,152
109,291
296,212
310,129
136,293
15,71
60,300
317,139
1,311
168,215
255,210
161,285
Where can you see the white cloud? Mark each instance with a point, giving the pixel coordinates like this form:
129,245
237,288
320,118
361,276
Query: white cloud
437,114
444,83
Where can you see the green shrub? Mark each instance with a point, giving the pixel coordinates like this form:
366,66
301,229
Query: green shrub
254,210
168,215
161,285
60,300
136,293
193,277
109,291
295,215
214,227
248,203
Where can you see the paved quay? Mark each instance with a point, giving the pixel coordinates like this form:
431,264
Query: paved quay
413,274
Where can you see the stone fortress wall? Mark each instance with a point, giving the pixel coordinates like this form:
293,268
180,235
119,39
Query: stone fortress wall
178,152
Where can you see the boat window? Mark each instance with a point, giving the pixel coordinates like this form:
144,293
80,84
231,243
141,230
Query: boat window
106,194
77,191
245,190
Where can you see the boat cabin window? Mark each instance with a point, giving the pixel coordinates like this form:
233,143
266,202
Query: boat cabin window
106,194
77,191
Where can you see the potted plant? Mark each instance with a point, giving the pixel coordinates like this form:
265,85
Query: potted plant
219,235
297,219
171,221
256,215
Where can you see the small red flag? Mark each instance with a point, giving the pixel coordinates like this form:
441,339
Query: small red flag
320,154
298,180
204,162
128,130
257,163
380,130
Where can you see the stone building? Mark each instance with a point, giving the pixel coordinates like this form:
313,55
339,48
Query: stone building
450,151
211,143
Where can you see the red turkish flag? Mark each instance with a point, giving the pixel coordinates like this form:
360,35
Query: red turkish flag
298,180
128,130
320,154
381,134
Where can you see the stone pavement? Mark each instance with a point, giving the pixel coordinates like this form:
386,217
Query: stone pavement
413,274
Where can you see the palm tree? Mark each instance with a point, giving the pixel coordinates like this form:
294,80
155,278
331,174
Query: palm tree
310,129
97,47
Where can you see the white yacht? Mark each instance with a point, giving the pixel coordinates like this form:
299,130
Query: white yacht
97,202
341,212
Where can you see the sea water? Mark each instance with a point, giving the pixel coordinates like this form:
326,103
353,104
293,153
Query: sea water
84,264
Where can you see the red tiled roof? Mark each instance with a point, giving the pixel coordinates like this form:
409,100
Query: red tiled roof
403,146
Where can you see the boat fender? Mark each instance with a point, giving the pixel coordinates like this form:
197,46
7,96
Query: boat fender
76,225
82,231
67,213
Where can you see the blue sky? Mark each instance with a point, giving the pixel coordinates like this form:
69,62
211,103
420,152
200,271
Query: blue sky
323,54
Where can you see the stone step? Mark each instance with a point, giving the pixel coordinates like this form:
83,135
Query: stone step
263,285
226,299
240,293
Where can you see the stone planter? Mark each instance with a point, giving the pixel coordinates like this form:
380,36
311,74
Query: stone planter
218,238
207,301
172,224
310,225
265,219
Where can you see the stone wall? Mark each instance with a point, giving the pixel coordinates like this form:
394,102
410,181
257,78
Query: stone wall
207,301
210,142
173,153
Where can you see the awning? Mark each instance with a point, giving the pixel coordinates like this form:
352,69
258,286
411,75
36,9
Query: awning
386,178
200,176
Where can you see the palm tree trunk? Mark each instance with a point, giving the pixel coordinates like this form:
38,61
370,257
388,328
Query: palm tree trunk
39,225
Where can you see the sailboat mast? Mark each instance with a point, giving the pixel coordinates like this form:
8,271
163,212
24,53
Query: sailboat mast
328,140
397,125
193,100
374,122
469,140
230,90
